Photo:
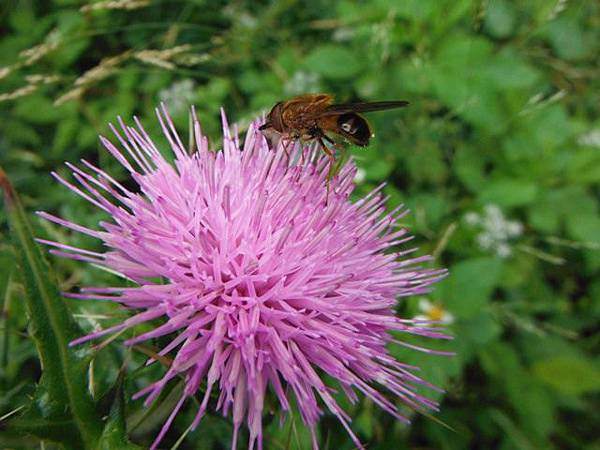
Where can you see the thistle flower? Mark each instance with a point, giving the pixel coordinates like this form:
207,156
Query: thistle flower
270,281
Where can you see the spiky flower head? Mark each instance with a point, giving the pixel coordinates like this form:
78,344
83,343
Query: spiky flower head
270,280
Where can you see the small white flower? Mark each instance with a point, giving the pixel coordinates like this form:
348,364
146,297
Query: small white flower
514,228
503,250
434,311
591,138
485,240
360,176
302,82
179,96
343,34
472,218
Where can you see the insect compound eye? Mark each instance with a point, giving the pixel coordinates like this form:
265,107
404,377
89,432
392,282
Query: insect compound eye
275,117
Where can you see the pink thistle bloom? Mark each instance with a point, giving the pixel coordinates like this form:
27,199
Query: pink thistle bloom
271,282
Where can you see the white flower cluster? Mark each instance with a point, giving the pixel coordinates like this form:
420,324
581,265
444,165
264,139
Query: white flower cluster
179,96
591,138
302,82
496,230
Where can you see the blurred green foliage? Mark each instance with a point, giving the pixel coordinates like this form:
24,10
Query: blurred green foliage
498,157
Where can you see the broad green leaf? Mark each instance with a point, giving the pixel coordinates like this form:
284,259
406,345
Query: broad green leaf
555,205
480,329
509,70
499,358
70,21
585,227
470,168
427,164
62,408
377,169
568,39
333,62
535,407
452,84
508,193
500,18
23,19
470,284
428,209
417,10
544,217
569,374
584,166
459,50
415,77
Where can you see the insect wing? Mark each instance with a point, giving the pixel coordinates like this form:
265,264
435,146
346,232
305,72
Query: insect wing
362,107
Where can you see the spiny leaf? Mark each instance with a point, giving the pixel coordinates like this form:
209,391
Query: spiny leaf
62,408
114,435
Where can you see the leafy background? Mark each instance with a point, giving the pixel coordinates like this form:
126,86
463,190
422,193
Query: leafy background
498,157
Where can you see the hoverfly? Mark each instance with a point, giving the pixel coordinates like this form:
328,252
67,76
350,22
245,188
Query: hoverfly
314,117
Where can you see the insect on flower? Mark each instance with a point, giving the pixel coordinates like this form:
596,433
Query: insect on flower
314,117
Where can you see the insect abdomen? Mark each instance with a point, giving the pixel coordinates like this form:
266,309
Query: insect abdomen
355,128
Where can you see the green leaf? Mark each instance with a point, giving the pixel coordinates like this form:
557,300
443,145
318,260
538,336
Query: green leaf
585,227
470,168
62,408
292,434
512,432
571,203
508,193
6,267
568,39
114,435
377,169
333,62
37,109
500,19
417,10
480,329
584,166
66,131
568,374
508,70
470,285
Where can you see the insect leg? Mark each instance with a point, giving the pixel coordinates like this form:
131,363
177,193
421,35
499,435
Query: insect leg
335,145
288,140
335,164
327,150
343,155
331,156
